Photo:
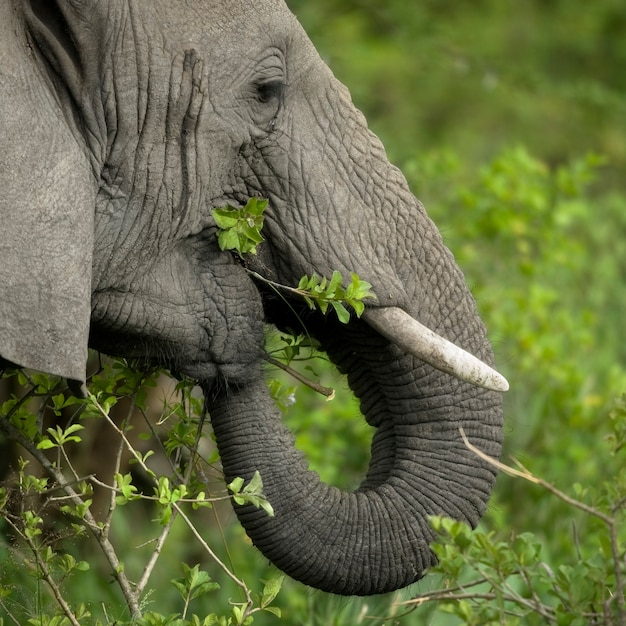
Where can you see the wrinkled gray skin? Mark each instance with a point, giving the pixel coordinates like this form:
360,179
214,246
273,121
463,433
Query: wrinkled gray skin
122,125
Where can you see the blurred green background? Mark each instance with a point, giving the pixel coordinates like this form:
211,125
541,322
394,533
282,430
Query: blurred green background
509,119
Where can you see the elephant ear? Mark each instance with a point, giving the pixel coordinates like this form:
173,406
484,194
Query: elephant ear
46,207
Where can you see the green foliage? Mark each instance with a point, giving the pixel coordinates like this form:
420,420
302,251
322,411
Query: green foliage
538,231
491,580
59,437
250,493
322,293
549,561
194,584
240,228
44,517
548,74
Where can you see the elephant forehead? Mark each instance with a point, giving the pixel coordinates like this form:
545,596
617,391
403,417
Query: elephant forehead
233,29
204,20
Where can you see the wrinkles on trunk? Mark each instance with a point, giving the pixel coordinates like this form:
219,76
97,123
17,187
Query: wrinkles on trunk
375,539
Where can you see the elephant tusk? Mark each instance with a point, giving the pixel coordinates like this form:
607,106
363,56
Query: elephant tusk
415,338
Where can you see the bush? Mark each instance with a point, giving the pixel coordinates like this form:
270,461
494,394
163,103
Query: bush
491,580
58,542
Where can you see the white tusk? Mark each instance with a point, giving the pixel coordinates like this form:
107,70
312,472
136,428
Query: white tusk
415,338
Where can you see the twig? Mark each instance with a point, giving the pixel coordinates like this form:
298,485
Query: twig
176,510
277,286
619,582
8,613
527,475
329,392
45,572
106,527
118,492
56,592
139,586
154,556
207,548
610,521
423,598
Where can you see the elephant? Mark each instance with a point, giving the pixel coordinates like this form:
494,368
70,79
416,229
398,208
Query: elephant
123,125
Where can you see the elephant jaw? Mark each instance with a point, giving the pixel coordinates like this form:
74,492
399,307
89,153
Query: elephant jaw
416,339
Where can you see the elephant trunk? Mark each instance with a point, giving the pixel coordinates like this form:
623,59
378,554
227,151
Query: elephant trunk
375,539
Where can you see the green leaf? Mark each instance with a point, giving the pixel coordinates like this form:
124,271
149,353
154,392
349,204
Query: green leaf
252,493
342,313
194,583
46,444
236,485
271,589
238,613
229,240
59,437
225,218
322,293
335,282
240,228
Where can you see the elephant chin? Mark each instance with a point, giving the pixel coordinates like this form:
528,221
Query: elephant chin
375,539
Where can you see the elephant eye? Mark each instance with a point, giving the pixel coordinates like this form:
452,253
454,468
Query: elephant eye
273,90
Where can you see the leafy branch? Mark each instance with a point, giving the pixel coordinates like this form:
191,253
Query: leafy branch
322,293
239,230
506,581
74,496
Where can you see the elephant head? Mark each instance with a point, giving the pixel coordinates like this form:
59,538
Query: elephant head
123,125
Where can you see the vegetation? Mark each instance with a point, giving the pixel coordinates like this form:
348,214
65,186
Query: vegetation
509,120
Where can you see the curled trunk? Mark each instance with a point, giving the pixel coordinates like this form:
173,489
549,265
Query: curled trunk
375,539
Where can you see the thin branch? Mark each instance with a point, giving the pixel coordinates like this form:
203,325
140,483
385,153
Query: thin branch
119,492
212,554
445,594
56,592
451,590
609,520
278,286
329,392
154,556
176,508
8,613
454,596
45,572
527,475
106,527
619,581
121,434
536,600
